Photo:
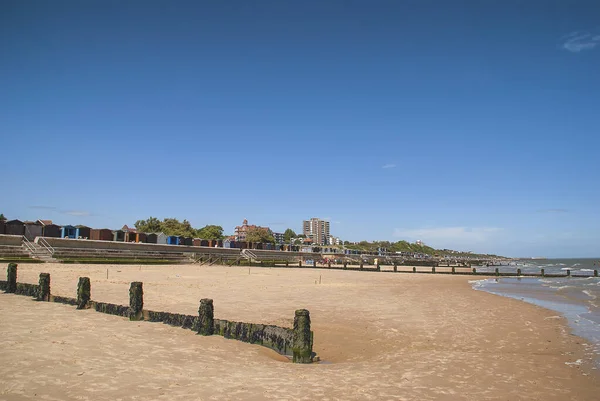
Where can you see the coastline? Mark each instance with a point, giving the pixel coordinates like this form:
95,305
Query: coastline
379,336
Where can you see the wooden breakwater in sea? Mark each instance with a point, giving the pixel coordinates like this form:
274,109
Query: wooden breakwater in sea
452,270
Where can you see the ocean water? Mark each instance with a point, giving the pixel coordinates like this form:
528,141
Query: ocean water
578,299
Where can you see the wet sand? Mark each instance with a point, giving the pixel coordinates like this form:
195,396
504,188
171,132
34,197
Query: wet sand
380,335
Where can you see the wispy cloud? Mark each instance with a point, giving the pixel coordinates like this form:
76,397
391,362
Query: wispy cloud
553,211
43,207
389,165
448,236
578,41
77,213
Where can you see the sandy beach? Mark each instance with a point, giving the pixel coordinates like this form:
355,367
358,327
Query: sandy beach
379,335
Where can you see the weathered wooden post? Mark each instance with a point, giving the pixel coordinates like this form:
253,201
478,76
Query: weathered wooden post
329,264
395,267
287,263
345,265
11,278
596,273
474,270
377,266
83,293
542,272
518,272
414,269
44,287
136,301
497,271
568,273
433,270
206,317
361,266
302,337
300,263
453,269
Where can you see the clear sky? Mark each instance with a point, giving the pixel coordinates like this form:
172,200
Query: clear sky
469,125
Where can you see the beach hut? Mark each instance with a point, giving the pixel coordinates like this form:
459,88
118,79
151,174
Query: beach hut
118,235
189,241
83,231
156,238
101,234
196,241
173,240
68,231
1,226
129,234
14,227
32,229
140,237
51,230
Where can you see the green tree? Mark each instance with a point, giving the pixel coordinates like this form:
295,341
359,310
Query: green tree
172,226
210,232
151,225
288,235
2,218
259,234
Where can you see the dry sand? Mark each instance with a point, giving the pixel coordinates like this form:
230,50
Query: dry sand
381,336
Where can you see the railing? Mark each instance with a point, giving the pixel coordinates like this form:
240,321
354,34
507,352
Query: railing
42,241
248,254
28,244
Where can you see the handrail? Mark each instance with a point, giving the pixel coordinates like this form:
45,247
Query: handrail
43,242
28,244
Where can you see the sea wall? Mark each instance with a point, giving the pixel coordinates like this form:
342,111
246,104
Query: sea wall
13,240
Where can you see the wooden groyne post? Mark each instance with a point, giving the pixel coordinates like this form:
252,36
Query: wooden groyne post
11,278
136,301
206,317
302,337
44,287
84,293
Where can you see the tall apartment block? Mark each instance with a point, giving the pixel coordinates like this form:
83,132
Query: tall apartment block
317,230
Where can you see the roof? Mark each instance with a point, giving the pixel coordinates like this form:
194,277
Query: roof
45,222
128,229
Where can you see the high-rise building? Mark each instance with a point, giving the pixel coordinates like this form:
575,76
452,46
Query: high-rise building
317,230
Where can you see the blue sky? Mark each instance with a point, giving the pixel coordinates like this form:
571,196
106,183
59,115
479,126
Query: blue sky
468,125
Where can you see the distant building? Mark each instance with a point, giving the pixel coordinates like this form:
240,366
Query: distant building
334,240
317,230
242,231
278,238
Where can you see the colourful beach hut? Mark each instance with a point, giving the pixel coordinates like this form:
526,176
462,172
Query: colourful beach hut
68,231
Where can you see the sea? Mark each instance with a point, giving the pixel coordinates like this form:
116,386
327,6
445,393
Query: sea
576,298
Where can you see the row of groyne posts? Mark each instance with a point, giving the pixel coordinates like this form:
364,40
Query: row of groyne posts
422,269
296,343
